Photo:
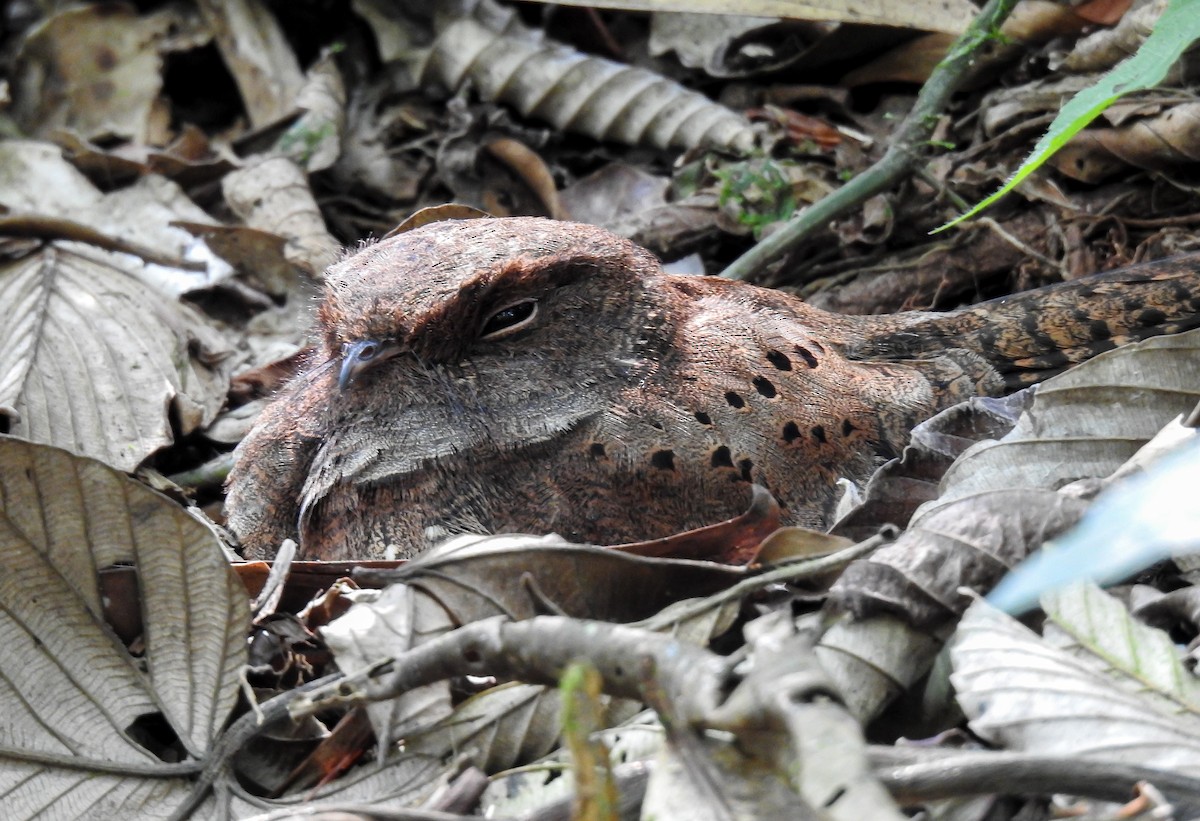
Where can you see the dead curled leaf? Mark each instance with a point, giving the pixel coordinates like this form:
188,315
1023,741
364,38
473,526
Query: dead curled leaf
477,577
999,501
78,704
970,542
573,91
94,357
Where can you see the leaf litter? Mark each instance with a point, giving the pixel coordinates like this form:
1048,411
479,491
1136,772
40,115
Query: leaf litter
167,239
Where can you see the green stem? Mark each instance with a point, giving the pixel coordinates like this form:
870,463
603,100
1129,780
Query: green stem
902,154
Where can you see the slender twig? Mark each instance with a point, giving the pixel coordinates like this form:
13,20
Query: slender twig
904,149
917,775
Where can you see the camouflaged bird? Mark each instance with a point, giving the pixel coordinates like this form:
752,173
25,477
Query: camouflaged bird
525,375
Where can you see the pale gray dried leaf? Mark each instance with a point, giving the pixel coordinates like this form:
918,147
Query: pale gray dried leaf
96,70
1097,629
1131,700
258,56
499,728
94,358
519,577
506,62
273,194
370,632
1087,422
873,660
72,692
969,542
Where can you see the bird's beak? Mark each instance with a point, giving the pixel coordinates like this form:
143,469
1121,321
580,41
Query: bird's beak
357,356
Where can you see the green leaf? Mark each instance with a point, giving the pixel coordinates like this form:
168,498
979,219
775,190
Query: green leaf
1177,28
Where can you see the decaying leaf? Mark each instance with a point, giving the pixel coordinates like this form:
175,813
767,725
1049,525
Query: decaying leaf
272,194
95,358
258,55
85,716
1160,143
96,70
1099,685
506,62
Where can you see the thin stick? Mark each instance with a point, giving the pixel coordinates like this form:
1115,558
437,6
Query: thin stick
904,150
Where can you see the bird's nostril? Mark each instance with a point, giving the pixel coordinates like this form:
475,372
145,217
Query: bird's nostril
368,351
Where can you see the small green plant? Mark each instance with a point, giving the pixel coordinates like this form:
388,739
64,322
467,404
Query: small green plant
301,141
759,190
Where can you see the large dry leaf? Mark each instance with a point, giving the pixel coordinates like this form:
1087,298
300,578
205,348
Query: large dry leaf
488,47
969,542
72,692
96,70
94,357
1100,685
273,194
1084,423
519,577
1087,422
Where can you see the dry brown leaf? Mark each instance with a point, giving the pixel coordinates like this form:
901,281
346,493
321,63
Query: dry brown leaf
272,194
258,56
1158,143
96,70
1106,47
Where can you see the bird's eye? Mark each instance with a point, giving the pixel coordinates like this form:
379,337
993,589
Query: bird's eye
363,351
509,319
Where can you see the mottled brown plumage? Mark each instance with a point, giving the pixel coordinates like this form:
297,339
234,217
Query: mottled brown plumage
632,404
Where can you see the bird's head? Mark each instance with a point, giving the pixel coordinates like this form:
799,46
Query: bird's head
499,290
